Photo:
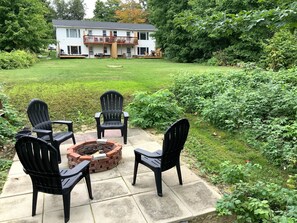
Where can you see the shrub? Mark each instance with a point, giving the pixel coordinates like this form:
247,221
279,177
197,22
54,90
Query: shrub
16,59
158,110
10,123
260,202
258,103
281,51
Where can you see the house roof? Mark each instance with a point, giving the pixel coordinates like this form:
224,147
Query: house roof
103,25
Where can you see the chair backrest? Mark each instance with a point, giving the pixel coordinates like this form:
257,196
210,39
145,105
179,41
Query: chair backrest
112,105
40,161
38,113
173,143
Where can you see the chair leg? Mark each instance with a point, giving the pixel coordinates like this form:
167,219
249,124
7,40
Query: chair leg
73,139
66,204
88,181
102,133
135,172
125,136
34,201
179,174
158,178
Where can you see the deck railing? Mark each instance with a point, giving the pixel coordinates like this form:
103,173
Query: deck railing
125,40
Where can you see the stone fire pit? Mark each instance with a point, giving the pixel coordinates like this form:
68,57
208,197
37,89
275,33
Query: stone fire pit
104,155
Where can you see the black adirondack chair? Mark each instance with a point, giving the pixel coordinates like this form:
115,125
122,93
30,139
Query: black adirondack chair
162,160
112,114
40,161
39,117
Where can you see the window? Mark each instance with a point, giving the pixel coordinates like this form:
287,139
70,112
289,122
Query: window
143,36
73,33
128,34
104,32
142,50
115,33
90,32
74,50
105,50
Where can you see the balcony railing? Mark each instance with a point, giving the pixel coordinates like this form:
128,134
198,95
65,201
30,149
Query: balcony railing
125,40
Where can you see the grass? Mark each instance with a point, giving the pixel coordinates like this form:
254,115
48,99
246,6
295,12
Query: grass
72,89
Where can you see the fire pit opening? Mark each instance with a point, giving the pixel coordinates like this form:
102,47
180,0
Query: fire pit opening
103,154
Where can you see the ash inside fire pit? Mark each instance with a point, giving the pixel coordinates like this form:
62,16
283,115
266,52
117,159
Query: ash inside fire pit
104,155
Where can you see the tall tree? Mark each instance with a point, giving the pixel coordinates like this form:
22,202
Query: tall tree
175,42
76,9
23,25
61,9
69,9
131,12
105,11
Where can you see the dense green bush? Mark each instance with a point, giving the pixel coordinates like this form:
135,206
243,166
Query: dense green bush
281,51
16,59
10,123
158,110
260,104
255,201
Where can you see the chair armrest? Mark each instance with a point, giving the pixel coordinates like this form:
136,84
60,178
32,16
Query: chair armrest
97,115
44,132
63,122
126,114
156,154
81,167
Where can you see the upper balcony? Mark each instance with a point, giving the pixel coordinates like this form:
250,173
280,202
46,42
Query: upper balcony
124,40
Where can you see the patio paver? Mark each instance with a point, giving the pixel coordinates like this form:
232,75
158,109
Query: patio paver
115,199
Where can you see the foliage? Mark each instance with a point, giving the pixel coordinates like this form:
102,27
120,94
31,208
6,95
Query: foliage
24,25
175,42
262,105
233,31
10,123
260,202
105,11
69,10
131,12
232,173
158,110
281,51
16,59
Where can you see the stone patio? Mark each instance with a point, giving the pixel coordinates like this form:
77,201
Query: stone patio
115,199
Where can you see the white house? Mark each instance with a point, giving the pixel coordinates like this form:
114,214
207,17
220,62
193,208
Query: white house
103,39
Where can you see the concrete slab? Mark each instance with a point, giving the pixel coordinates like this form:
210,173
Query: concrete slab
34,219
16,185
170,177
20,206
144,182
126,167
109,189
113,173
79,197
78,214
198,197
162,209
16,169
122,210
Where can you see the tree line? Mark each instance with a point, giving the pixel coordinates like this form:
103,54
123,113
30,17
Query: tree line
227,32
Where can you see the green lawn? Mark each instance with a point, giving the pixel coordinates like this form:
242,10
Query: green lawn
72,87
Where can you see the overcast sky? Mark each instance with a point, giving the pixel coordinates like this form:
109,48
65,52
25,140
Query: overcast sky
90,8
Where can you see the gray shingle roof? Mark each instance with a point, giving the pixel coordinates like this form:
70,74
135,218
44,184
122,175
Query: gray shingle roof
103,25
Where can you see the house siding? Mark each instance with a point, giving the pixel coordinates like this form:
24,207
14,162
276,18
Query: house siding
68,45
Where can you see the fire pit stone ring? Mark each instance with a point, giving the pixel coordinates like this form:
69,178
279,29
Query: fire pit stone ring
103,154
